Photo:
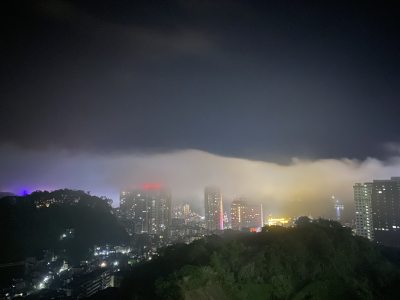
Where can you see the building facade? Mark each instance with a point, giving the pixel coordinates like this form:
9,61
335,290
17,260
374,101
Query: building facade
213,207
238,213
378,210
89,284
254,216
362,199
385,200
245,215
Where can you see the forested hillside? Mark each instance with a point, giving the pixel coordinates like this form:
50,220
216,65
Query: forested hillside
36,222
318,260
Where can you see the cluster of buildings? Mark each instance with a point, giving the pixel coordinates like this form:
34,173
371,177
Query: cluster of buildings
146,210
149,210
51,276
377,214
243,215
149,217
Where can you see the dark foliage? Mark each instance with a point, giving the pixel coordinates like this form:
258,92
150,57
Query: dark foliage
318,260
27,230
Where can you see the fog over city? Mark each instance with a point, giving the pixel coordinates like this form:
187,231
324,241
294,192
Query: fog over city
299,187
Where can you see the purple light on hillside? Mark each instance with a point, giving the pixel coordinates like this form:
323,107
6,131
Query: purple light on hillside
23,192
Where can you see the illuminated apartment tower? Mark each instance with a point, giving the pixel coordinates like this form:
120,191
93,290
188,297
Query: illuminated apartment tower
244,215
214,214
385,200
254,216
149,208
186,210
378,210
362,199
238,214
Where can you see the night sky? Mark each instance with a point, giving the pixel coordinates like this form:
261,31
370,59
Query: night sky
256,81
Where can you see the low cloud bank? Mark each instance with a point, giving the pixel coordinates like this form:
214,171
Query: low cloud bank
301,187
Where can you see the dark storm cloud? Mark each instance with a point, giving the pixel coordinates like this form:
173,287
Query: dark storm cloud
241,78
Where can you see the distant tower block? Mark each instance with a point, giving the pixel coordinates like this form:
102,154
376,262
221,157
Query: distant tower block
214,212
338,208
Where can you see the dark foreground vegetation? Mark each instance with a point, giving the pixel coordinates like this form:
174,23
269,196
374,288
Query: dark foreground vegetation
28,227
318,260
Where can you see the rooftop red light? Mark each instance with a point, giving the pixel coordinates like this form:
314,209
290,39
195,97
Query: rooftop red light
151,186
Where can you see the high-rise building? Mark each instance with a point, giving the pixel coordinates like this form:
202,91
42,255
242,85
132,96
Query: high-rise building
227,222
148,208
362,199
386,211
238,214
254,216
186,210
214,213
244,215
378,210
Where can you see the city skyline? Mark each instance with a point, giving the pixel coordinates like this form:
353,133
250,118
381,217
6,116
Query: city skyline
306,182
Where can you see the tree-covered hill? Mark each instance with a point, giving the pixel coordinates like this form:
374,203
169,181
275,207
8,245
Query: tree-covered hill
5,194
36,222
319,260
